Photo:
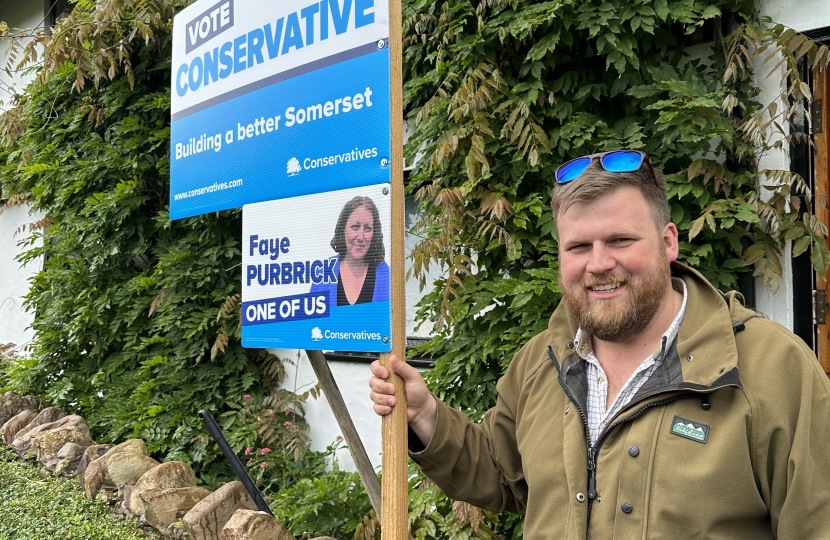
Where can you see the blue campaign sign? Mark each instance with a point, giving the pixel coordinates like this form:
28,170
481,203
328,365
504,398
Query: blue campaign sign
315,271
277,99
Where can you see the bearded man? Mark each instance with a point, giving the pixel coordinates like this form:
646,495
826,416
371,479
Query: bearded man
653,406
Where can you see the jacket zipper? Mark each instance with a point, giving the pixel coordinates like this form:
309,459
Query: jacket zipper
591,463
594,451
568,393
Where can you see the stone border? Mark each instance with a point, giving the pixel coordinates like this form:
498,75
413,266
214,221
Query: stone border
163,496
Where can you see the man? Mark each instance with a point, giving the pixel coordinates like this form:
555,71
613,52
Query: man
653,406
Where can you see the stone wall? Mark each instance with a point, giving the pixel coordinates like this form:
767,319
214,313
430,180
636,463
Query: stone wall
163,496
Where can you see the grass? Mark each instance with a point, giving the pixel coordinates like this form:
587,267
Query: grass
38,505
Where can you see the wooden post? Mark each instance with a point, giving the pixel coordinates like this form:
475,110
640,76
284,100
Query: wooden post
822,191
344,420
394,516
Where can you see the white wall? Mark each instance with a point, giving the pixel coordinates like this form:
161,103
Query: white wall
14,279
352,379
801,15
18,14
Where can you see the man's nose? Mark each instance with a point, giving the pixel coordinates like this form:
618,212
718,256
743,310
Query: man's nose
601,260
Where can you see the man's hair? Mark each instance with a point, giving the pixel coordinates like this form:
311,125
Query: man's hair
596,181
376,251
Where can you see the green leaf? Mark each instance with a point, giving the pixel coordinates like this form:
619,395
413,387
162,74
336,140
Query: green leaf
820,259
801,245
643,91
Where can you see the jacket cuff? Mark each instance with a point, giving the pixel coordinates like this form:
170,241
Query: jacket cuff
421,454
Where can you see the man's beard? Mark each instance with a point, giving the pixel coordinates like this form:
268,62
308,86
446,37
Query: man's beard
618,319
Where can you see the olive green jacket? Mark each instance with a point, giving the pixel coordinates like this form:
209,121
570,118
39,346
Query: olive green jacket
728,440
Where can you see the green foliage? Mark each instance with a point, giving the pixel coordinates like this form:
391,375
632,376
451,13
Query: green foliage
273,444
331,504
335,504
126,305
35,505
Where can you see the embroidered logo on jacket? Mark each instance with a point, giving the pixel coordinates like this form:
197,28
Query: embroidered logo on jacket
690,430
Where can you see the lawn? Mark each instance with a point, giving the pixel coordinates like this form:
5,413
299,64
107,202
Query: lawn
37,505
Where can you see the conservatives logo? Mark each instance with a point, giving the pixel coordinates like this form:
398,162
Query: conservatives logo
337,159
363,335
293,167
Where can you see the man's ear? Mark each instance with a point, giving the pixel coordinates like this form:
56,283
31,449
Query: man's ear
671,241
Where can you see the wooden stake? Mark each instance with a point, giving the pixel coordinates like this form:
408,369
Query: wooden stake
344,420
822,191
394,516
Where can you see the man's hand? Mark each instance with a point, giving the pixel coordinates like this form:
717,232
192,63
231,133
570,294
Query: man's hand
421,411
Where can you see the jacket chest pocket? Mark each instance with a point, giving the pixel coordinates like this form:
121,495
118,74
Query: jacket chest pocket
701,466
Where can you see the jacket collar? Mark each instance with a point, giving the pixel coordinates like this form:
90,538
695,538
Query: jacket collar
703,358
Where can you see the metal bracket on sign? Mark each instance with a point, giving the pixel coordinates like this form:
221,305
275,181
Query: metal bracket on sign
820,306
816,116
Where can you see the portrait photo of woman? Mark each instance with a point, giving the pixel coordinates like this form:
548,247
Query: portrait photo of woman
362,272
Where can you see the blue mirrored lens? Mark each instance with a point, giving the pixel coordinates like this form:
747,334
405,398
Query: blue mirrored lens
571,170
622,161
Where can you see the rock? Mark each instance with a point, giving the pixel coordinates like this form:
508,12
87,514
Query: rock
135,446
254,525
91,454
46,416
126,492
16,423
12,404
206,519
126,467
96,475
52,436
164,507
96,478
48,442
173,474
68,458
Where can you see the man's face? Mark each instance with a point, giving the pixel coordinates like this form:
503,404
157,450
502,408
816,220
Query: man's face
614,263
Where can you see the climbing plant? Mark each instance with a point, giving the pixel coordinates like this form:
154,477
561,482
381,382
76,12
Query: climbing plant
132,311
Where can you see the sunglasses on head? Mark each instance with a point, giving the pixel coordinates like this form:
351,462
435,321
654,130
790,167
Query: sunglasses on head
615,161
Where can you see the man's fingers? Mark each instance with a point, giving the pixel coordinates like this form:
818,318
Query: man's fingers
407,372
382,410
381,387
382,399
378,370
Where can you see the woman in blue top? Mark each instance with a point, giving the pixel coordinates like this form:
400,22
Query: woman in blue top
362,274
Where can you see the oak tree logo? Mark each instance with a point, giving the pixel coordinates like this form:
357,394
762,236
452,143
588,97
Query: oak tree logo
293,166
316,334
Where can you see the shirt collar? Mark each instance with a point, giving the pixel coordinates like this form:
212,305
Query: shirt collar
582,341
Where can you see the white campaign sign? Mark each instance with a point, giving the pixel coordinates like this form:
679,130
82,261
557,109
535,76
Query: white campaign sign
219,47
315,271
